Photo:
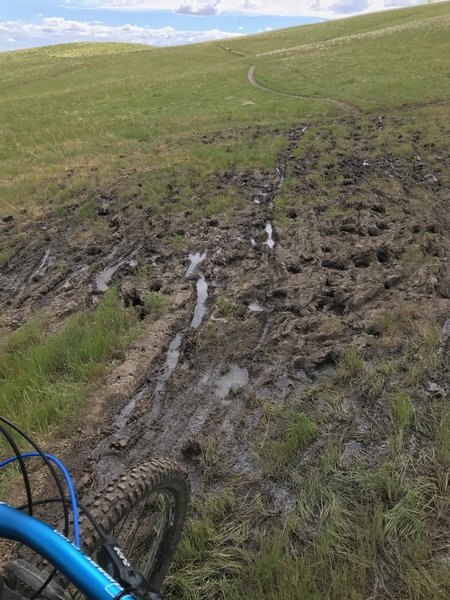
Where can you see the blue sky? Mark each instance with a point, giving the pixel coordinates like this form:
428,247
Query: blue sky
29,23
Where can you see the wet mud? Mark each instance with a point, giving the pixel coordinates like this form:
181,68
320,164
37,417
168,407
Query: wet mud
302,288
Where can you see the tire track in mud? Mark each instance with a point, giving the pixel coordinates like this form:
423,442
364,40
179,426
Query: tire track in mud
344,106
198,388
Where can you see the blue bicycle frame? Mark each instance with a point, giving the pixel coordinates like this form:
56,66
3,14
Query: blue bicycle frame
80,570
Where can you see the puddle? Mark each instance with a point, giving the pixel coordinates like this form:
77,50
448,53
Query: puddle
103,278
128,409
255,307
269,230
43,265
172,358
281,172
235,379
195,259
260,196
200,308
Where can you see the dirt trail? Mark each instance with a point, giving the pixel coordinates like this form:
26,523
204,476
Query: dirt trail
347,108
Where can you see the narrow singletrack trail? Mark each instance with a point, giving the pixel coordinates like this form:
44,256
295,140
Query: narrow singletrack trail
347,108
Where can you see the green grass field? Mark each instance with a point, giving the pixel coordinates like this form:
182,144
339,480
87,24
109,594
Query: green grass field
96,112
78,119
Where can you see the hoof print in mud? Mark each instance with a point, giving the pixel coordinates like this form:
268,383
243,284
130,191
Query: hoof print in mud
191,448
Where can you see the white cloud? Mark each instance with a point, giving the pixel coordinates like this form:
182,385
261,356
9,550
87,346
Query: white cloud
303,8
199,8
57,29
10,40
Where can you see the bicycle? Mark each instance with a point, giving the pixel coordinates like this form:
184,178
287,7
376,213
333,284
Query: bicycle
132,529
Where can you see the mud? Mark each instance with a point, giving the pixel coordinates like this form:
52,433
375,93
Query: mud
302,290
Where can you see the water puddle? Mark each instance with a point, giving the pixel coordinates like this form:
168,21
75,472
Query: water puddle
255,307
269,230
196,259
236,378
103,278
126,411
172,358
43,266
200,308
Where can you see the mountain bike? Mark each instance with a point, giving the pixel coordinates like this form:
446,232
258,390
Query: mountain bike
123,540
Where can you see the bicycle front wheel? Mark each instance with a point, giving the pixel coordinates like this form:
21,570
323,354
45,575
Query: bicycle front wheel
145,510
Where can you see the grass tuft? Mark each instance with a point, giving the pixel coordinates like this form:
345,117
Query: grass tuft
287,434
350,365
44,375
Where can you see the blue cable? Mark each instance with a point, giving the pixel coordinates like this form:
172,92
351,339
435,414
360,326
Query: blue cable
72,496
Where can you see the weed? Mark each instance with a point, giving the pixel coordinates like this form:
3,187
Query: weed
350,365
5,255
287,433
210,459
225,307
142,274
176,240
85,210
155,302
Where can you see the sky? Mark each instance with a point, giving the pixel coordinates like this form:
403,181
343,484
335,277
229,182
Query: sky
29,23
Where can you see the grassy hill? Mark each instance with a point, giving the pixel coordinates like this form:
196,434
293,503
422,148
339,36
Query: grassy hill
326,476
62,108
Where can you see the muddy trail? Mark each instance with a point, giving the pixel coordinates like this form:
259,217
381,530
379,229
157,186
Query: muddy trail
260,308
